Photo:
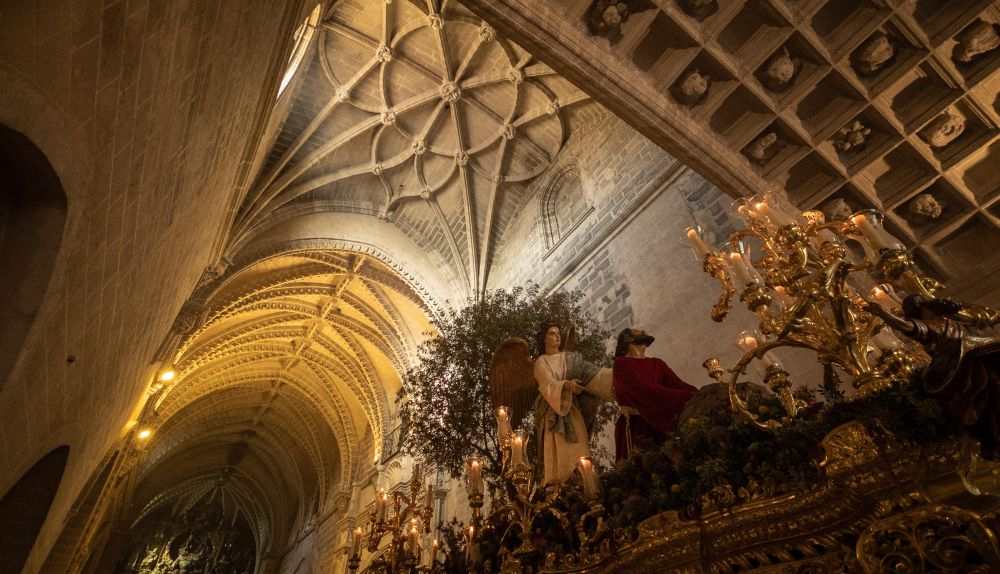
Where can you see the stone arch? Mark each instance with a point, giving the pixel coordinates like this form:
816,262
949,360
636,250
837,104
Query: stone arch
25,506
32,224
564,203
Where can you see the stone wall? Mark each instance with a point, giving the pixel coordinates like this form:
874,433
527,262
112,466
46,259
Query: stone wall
144,110
627,255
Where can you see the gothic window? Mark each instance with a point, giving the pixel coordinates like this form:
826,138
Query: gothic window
564,205
303,35
32,218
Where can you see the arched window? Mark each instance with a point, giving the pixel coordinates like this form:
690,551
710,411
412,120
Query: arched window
24,507
303,35
564,205
32,219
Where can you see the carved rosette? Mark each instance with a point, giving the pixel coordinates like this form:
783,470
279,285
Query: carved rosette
515,75
487,33
450,92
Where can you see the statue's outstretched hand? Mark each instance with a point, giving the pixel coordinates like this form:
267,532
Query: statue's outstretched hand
573,385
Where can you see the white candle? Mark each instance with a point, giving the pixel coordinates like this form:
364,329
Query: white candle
380,504
762,209
475,477
784,298
469,559
701,248
414,545
589,478
434,553
882,296
876,235
740,271
356,543
503,423
746,342
517,450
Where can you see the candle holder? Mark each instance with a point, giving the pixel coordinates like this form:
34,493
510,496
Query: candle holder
412,512
801,287
522,502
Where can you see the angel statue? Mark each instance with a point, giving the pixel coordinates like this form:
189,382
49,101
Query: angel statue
569,392
964,372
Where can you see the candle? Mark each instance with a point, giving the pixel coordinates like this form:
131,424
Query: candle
417,472
475,477
434,552
883,296
742,275
784,298
356,543
762,209
586,468
747,342
517,450
380,504
469,558
701,248
413,541
876,235
503,424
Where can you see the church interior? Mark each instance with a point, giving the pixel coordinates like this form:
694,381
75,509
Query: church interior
227,227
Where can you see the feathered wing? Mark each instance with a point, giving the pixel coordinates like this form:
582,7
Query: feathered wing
512,381
569,340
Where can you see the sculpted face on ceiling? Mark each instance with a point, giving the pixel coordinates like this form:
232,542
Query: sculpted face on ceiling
418,114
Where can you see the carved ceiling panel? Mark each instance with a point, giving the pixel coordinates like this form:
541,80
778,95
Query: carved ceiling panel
839,104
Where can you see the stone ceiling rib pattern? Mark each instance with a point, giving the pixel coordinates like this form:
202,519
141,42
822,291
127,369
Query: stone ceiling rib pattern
836,104
415,113
295,360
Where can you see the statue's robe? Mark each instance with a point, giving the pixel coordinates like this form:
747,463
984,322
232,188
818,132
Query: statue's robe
563,420
652,397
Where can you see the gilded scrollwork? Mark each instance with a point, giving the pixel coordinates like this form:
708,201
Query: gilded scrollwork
929,539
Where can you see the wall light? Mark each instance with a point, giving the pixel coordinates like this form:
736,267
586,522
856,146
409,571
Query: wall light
145,433
167,375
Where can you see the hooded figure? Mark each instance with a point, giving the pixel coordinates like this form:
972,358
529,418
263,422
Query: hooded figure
650,394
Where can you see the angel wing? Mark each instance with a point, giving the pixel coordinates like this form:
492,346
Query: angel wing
512,382
569,339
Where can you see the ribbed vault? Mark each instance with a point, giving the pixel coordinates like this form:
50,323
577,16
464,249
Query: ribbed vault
285,391
419,114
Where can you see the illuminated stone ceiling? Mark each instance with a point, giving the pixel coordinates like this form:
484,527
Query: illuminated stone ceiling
395,155
418,115
284,391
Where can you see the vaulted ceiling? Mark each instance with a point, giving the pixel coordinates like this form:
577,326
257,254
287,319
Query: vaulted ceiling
283,392
419,114
404,135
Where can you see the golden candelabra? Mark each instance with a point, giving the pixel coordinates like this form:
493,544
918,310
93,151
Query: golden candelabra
522,501
797,274
408,523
